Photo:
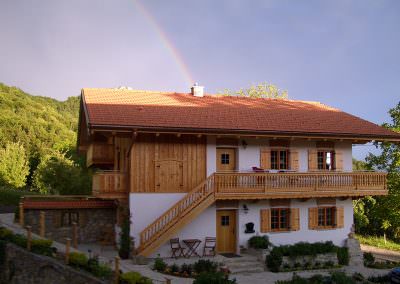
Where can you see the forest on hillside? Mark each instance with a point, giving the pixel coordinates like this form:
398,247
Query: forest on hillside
38,144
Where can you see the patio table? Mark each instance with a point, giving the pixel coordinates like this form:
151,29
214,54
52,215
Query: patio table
192,245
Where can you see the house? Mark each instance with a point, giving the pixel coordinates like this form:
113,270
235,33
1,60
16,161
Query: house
193,165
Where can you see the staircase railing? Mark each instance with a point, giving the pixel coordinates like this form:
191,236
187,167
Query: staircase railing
176,212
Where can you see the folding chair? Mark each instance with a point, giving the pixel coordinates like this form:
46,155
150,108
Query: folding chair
176,248
209,246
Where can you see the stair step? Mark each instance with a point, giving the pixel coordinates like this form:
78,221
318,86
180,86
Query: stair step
246,269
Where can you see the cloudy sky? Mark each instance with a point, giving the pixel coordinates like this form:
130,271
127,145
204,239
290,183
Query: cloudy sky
343,53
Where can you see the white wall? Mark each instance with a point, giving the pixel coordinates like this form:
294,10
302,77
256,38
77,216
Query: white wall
337,236
250,156
146,207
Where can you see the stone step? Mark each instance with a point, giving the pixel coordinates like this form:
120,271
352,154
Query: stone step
246,269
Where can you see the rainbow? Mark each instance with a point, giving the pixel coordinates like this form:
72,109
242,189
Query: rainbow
167,43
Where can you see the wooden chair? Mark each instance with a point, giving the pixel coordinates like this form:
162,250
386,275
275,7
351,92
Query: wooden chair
176,248
209,246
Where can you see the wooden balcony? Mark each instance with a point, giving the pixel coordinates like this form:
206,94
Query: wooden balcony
100,154
299,185
110,184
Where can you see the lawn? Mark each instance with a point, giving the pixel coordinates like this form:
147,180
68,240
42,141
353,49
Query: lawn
378,242
10,197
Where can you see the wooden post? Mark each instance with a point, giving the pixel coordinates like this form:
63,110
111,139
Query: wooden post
116,280
67,246
42,223
29,238
75,235
21,214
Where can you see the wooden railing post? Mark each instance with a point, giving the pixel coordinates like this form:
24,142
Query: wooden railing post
67,249
116,280
75,235
42,223
21,214
29,238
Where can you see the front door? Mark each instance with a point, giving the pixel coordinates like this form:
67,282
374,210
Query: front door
226,159
226,231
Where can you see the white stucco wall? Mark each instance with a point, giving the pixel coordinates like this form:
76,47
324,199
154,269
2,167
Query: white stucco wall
337,236
250,156
146,207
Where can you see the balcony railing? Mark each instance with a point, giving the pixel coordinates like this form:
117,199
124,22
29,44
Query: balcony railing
109,184
254,185
100,154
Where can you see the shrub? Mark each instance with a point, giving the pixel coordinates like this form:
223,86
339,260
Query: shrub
19,240
159,264
379,279
259,242
5,234
125,239
274,260
2,251
78,259
43,247
369,258
213,278
343,256
101,270
174,268
341,278
134,278
186,268
205,266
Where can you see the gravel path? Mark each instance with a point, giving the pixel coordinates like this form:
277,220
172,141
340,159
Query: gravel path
382,254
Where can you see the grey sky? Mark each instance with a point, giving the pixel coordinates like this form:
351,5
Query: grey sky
342,53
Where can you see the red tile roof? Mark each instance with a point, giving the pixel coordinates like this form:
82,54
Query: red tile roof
216,113
68,204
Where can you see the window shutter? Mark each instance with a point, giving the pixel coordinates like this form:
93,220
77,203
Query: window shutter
294,161
312,218
339,217
265,158
265,220
294,219
339,161
312,160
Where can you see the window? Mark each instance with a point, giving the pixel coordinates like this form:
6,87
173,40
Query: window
279,159
68,218
326,160
326,217
224,220
280,219
225,159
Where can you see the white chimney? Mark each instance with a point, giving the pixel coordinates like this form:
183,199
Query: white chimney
197,91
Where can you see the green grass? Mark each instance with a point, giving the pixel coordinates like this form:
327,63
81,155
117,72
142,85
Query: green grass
11,196
378,242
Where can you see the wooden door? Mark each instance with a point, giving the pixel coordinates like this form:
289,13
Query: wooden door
169,176
226,231
226,159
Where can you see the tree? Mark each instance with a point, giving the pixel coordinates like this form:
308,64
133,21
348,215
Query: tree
261,90
56,174
374,214
14,165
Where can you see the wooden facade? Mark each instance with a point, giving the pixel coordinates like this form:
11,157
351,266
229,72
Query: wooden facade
167,163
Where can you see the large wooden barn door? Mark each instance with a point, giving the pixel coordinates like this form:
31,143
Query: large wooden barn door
169,175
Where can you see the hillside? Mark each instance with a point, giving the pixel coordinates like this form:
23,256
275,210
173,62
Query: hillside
39,123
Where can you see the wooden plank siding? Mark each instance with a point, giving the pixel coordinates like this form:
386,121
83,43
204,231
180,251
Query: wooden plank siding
167,163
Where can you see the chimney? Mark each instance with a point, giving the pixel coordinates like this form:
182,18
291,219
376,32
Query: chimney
197,91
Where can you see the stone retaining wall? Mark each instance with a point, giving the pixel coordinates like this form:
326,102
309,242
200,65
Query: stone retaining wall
309,259
22,267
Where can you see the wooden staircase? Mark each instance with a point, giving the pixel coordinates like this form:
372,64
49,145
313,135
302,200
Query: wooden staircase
175,218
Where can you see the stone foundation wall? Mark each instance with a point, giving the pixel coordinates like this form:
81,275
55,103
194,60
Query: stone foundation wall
22,267
92,223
